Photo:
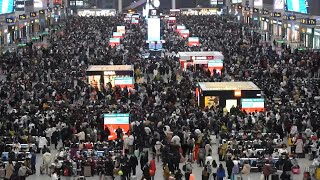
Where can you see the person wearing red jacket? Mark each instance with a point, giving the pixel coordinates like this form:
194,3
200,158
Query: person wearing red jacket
153,167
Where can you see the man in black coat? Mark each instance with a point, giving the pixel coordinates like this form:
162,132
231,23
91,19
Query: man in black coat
133,163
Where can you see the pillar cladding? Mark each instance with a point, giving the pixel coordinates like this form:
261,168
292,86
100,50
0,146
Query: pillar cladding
119,6
173,4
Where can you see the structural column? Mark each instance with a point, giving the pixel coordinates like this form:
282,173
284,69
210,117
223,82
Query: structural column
119,6
173,4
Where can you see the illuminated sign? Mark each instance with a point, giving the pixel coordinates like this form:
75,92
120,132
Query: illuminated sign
290,17
115,121
22,17
9,20
218,63
33,14
277,14
308,21
123,80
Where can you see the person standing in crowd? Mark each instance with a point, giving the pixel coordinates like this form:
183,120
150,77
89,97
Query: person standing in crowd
9,168
54,176
229,165
152,167
267,170
133,163
214,169
246,170
221,173
47,159
188,169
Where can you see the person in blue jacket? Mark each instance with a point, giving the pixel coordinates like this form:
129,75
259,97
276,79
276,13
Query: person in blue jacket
221,173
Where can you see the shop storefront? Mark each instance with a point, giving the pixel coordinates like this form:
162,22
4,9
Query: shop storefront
316,39
306,37
264,27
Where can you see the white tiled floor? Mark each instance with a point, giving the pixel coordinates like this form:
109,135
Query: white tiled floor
197,171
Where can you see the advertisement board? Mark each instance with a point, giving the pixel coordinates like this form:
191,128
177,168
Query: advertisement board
6,6
115,121
154,29
193,41
278,4
299,6
252,104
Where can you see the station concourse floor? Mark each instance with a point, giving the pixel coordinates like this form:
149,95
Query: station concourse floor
197,171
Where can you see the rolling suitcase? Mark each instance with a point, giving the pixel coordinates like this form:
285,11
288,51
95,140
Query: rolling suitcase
87,171
275,177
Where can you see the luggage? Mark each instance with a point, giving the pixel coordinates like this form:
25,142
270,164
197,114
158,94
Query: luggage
275,177
87,171
2,173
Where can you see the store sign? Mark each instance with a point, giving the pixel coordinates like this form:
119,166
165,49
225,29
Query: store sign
22,17
308,21
290,17
203,58
10,20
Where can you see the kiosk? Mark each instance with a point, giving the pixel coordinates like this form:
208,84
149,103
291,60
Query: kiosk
117,75
202,59
227,94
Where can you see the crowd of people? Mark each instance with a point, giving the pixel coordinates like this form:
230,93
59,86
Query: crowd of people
46,99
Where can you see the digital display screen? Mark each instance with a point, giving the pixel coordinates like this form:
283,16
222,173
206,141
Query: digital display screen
6,6
155,46
154,29
297,6
115,121
123,80
117,34
216,63
252,104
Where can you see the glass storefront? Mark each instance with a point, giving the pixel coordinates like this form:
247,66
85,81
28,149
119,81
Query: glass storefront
316,39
